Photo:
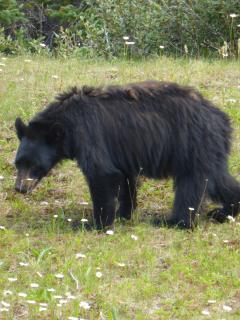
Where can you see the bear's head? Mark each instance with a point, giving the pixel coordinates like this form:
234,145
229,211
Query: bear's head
38,152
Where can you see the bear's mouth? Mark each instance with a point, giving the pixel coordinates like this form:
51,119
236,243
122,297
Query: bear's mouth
25,185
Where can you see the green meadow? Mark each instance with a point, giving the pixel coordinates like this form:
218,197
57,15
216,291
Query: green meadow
50,270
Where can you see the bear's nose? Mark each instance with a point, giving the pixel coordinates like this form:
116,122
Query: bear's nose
20,187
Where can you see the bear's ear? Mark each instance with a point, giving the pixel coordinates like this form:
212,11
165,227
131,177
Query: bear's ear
20,128
56,133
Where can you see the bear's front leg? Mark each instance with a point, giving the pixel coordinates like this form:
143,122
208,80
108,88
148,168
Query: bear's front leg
104,191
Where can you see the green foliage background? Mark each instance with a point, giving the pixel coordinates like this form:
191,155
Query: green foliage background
95,28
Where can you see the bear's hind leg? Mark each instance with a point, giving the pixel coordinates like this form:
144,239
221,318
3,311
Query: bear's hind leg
225,190
188,198
127,197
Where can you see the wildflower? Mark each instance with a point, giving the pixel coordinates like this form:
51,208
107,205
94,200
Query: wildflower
121,264
205,313
63,301
27,234
23,264
101,315
5,304
212,301
43,203
161,47
80,255
22,294
42,45
69,219
191,209
7,293
2,228
42,309
227,308
1,178
55,215
99,274
233,15
110,232
39,274
34,285
84,220
43,304
31,301
85,305
125,38
54,76
129,43
51,290
135,238
225,241
231,100
12,279
59,275
70,296
231,219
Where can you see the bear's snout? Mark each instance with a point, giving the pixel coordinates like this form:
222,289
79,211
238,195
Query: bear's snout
24,184
21,188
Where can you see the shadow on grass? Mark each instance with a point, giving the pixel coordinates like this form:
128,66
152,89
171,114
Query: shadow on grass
68,219
50,219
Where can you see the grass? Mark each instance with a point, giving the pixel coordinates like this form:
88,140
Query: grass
164,273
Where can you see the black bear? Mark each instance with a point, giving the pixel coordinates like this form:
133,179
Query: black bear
117,133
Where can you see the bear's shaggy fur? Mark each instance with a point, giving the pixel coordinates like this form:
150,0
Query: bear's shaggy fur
117,133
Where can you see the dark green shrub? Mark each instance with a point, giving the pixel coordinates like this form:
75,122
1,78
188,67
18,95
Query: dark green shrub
96,28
